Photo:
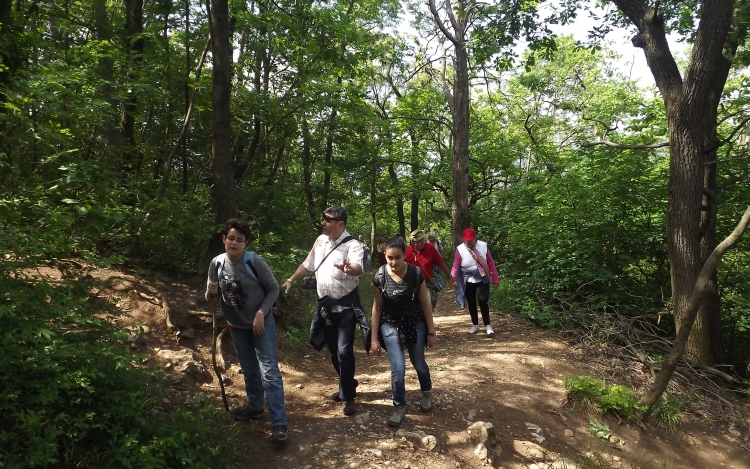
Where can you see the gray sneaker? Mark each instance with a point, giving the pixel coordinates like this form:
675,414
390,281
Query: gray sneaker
397,417
426,404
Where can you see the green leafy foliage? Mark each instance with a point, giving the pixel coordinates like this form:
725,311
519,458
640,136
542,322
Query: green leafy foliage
601,430
584,389
620,400
617,399
73,395
666,412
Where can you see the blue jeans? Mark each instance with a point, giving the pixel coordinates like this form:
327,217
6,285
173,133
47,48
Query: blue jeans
395,348
259,360
339,334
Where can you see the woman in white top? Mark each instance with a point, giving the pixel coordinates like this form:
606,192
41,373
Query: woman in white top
474,269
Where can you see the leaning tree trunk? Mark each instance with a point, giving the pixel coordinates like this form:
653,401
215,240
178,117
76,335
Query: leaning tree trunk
698,293
223,197
710,310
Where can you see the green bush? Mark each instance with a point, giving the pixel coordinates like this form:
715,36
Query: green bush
666,412
617,399
73,397
72,394
584,389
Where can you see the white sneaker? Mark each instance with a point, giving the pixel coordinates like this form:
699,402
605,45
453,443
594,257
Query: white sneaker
490,331
474,329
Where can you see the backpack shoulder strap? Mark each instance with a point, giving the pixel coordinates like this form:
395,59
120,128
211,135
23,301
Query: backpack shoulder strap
419,275
248,257
379,278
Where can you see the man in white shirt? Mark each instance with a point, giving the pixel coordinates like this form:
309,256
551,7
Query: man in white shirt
336,258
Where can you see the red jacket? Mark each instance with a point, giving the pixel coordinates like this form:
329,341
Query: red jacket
424,259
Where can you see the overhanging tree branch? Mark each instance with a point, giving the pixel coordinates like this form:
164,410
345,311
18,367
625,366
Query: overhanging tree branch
623,146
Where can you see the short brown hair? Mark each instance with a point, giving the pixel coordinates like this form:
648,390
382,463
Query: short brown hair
239,225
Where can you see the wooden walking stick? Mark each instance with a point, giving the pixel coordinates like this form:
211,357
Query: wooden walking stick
216,312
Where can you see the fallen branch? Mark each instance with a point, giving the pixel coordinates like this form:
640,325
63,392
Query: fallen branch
639,353
726,377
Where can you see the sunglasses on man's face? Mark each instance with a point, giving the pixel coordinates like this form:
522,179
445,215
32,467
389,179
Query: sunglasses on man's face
327,219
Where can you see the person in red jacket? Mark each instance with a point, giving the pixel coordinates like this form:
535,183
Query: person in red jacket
425,256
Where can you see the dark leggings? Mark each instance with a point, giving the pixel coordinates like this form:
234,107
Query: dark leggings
479,291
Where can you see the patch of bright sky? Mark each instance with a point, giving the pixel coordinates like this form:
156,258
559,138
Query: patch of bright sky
632,62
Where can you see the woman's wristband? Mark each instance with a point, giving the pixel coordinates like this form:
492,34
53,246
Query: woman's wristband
433,333
290,280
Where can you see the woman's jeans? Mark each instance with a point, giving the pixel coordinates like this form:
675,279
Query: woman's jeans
259,360
479,291
395,348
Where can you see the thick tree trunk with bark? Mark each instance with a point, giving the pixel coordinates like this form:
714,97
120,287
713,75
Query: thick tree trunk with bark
223,197
691,106
460,162
458,102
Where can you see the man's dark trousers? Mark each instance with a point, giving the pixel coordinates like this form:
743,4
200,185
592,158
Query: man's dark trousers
339,335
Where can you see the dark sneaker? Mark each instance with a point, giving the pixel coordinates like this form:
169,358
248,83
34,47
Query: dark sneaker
426,404
244,413
349,408
279,433
397,417
336,397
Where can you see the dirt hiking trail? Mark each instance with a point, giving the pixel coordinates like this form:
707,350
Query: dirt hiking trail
512,380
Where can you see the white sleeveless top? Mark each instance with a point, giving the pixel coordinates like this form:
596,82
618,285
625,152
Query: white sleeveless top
468,262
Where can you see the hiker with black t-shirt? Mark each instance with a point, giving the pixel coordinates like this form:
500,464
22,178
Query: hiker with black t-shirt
402,318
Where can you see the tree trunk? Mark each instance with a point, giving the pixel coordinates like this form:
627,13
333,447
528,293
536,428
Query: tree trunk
260,84
133,30
185,124
223,197
710,310
307,175
188,67
414,200
328,160
697,297
460,162
691,110
399,202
